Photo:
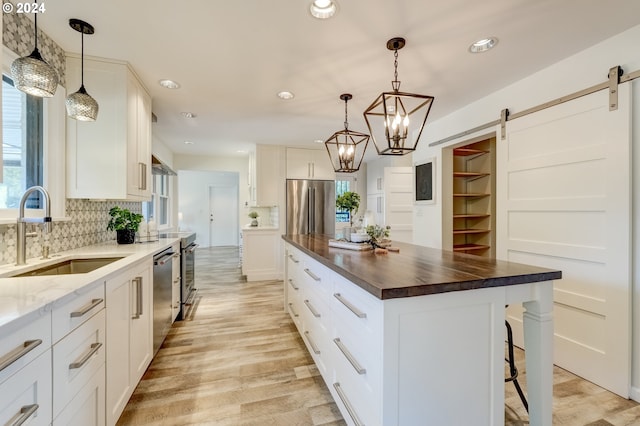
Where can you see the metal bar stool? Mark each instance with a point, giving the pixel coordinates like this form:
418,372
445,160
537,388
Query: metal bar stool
513,371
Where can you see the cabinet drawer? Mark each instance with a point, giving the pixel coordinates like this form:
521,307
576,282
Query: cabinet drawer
76,358
294,309
316,314
68,317
87,408
316,278
357,309
318,345
27,395
24,344
355,391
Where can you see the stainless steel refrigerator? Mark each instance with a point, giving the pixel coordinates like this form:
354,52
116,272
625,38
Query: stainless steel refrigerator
311,206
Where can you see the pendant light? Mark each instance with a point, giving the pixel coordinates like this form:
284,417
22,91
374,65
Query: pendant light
345,147
81,106
32,74
396,119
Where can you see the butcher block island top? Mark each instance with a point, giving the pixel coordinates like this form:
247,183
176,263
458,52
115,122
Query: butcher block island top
416,270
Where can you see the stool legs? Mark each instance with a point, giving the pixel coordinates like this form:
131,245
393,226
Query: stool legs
513,371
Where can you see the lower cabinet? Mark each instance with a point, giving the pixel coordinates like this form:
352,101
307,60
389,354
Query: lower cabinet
261,254
25,397
87,407
129,335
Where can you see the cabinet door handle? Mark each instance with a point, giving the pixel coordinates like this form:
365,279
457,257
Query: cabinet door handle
25,412
83,311
314,348
355,364
18,353
357,312
313,169
312,309
347,404
292,310
308,169
312,275
82,361
293,259
139,305
293,285
142,182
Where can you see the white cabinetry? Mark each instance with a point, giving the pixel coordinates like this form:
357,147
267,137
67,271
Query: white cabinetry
261,257
110,158
129,335
79,344
264,168
25,373
309,164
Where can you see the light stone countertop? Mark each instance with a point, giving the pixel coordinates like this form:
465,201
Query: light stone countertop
259,228
25,298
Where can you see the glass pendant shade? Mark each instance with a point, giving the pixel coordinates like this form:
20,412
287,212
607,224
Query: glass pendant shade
346,148
396,119
81,106
32,74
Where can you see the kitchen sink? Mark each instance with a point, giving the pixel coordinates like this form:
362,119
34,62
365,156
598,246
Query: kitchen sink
70,266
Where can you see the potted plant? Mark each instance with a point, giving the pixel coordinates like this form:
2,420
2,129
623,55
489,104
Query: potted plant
125,223
349,201
378,234
254,216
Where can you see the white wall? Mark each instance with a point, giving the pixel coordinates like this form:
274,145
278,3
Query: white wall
239,165
585,69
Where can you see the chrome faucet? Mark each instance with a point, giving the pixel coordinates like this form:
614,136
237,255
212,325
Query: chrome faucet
22,222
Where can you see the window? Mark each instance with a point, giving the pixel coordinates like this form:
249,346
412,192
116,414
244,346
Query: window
342,186
158,208
22,145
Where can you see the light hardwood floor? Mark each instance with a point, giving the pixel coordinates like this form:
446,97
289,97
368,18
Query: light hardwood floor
238,360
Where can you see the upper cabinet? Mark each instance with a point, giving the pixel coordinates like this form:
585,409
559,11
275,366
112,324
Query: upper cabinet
309,164
264,170
111,157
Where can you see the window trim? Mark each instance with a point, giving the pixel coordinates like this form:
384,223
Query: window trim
53,146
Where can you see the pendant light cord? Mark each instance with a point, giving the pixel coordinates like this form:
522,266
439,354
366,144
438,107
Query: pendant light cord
82,58
395,84
35,22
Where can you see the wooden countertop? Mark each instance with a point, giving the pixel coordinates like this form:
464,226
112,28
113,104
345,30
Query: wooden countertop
416,270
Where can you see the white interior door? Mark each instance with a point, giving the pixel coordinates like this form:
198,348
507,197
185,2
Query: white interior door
223,216
564,202
398,202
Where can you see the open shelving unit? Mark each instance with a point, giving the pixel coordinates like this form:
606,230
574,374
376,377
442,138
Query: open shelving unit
473,200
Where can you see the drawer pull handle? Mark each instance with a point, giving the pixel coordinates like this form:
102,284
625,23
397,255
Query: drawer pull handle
357,312
82,361
293,259
347,404
292,311
312,275
355,364
292,284
312,309
313,345
25,412
90,306
18,353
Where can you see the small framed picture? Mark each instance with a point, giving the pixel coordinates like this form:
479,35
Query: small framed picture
425,182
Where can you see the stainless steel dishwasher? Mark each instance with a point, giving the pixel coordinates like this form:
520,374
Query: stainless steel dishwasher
162,306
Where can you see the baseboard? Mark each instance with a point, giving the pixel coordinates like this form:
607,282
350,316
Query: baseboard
635,393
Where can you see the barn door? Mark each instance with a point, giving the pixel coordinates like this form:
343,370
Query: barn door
564,202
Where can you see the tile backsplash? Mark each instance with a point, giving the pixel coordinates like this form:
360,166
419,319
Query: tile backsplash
87,226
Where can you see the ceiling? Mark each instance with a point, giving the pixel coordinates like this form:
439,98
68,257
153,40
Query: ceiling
232,57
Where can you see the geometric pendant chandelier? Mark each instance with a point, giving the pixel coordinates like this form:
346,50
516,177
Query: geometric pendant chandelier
396,119
81,106
32,74
345,147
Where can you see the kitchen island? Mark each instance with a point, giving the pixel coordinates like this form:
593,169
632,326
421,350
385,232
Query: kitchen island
417,337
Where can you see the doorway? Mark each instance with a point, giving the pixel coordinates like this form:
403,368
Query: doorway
223,216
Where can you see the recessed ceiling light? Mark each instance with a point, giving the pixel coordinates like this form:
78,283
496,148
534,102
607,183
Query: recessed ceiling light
241,151
318,141
323,9
188,143
169,84
187,114
483,45
285,95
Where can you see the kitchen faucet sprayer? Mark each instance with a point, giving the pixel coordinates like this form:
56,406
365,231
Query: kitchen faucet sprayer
21,244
